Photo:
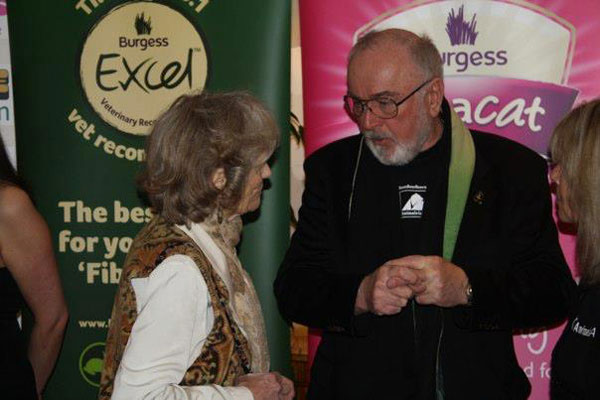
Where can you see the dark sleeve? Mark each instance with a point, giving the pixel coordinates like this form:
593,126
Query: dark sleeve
311,287
532,286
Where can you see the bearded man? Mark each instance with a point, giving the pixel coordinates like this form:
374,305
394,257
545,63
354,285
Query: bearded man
421,245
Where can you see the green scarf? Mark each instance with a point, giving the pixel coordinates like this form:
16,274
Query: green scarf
462,164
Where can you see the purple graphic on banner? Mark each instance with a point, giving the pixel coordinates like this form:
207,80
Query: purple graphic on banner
521,110
459,30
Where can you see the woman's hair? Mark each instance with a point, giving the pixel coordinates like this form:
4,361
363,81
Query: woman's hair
198,134
575,146
8,175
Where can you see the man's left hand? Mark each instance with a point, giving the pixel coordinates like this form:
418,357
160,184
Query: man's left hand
445,283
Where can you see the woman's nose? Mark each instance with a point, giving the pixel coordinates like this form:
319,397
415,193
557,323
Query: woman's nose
266,171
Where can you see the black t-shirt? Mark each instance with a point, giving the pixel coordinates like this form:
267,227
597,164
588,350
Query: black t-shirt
576,357
405,204
421,190
404,207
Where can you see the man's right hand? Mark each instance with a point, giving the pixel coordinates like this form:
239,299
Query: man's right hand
267,386
386,290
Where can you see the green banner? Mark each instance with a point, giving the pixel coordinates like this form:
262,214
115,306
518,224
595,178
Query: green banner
90,77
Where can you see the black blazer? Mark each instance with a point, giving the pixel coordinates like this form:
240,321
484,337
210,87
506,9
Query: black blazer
507,245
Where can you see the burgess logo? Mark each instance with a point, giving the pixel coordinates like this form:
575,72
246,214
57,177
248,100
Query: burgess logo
143,27
134,64
462,32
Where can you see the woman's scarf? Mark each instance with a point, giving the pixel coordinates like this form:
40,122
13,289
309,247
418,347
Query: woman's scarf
243,300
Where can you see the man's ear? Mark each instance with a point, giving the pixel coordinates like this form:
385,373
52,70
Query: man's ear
219,179
435,96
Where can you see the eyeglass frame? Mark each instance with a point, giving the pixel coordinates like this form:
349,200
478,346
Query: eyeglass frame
365,103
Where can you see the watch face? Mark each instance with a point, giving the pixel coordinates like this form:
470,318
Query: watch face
469,294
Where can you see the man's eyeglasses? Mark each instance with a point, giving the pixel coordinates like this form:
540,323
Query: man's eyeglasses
382,107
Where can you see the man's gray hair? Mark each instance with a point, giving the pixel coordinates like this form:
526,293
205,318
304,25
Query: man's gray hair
424,53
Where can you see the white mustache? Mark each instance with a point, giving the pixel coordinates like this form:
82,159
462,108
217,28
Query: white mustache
372,135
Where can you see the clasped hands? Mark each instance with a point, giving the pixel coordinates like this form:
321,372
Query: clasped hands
427,279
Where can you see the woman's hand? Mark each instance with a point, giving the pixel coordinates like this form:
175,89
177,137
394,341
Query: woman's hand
287,387
267,386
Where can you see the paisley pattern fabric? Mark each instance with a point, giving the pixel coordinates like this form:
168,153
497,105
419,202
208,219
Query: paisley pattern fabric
225,354
244,301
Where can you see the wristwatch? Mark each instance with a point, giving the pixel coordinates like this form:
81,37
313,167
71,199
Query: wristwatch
469,294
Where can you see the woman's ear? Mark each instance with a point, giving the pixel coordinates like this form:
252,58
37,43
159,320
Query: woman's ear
219,179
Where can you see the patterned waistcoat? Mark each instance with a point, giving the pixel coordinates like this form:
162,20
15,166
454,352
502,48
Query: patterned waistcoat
225,354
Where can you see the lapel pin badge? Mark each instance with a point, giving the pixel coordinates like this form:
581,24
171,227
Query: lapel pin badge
478,197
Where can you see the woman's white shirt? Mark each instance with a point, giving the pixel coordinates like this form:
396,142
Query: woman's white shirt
174,319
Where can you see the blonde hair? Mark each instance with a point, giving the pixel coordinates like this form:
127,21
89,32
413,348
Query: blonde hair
575,147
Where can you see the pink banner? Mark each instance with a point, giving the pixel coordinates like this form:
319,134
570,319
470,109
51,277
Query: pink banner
512,67
521,110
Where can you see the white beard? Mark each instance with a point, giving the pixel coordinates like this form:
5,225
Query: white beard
402,153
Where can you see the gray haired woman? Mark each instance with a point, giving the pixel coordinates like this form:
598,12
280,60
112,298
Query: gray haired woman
186,322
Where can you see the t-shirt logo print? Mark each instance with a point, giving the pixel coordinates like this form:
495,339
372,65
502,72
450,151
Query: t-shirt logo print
412,200
415,203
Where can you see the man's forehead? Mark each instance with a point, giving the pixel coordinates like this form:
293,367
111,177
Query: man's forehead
382,94
372,73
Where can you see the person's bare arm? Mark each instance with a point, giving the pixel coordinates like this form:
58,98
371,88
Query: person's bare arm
26,248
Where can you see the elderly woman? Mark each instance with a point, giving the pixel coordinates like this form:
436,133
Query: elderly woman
575,149
186,322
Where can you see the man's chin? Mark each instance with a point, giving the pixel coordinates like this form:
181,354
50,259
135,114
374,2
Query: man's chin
391,156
